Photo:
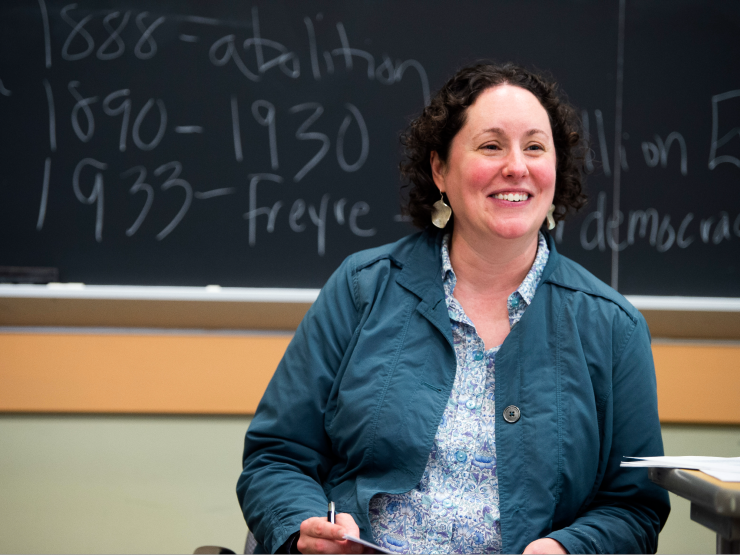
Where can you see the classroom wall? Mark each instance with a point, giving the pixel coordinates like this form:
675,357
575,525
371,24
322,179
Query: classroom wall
166,484
129,440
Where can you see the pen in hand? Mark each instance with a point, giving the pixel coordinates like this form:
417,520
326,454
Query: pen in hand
331,515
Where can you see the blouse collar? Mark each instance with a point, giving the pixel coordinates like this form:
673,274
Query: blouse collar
526,289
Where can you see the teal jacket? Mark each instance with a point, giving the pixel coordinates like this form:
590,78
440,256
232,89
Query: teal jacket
354,406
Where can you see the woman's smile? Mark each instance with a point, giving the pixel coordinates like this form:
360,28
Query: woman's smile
511,197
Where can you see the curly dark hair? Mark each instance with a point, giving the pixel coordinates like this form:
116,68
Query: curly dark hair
445,115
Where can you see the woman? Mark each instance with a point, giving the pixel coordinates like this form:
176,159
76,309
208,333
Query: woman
432,395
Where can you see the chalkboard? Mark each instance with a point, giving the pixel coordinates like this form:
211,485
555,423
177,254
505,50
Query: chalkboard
256,144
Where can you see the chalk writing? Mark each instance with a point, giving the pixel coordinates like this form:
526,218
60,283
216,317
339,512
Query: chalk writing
44,195
78,30
115,36
365,140
597,229
47,35
135,132
302,135
657,152
174,180
717,141
52,116
230,49
123,108
81,38
84,105
268,120
96,192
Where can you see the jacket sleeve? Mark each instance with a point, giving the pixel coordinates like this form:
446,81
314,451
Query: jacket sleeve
627,511
287,453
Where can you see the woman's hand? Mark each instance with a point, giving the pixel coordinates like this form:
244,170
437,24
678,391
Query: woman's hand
545,545
320,536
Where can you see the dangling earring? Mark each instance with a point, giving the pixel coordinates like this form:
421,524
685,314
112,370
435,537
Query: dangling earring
550,219
441,212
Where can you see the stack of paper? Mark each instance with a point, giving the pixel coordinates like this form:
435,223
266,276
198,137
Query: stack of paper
726,469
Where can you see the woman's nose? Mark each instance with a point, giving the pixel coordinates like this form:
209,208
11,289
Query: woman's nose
515,165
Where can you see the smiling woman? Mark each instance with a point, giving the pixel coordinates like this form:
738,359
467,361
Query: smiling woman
499,177
465,389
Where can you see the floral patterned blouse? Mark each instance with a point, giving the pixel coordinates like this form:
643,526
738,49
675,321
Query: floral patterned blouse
454,509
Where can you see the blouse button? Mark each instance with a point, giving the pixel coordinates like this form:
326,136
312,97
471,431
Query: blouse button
512,414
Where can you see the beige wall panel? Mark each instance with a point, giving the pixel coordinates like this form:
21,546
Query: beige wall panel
136,373
227,374
698,383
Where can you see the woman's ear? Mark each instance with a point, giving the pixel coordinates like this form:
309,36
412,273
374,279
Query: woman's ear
438,170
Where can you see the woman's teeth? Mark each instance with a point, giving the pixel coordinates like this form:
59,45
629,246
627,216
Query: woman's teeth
514,197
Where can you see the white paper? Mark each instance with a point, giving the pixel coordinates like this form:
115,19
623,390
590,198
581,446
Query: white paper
726,469
366,544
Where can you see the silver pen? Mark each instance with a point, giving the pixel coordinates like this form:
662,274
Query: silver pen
331,515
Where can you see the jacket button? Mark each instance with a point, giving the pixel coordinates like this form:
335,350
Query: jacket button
512,414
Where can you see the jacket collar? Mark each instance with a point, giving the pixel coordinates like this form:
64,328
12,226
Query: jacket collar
422,276
553,262
422,271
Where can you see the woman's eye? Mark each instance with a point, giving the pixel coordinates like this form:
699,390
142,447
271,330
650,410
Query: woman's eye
534,147
491,147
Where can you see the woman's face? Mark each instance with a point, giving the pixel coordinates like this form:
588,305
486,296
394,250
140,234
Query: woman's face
500,171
